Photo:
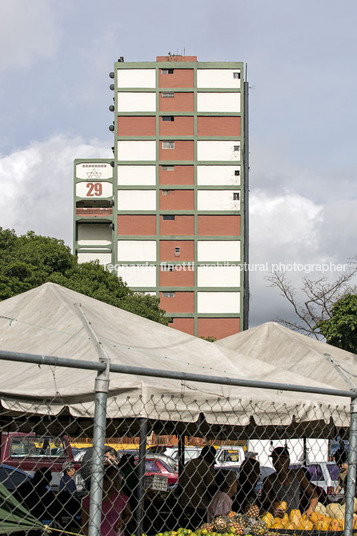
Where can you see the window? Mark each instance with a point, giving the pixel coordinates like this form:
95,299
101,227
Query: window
168,294
168,118
168,168
236,75
235,196
168,216
177,251
167,71
168,145
168,95
235,148
237,172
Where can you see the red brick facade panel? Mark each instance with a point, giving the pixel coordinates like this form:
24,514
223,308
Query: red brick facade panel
179,78
136,126
180,126
180,102
176,175
181,225
136,225
218,225
177,200
176,58
177,250
181,150
187,325
182,302
217,327
219,126
182,276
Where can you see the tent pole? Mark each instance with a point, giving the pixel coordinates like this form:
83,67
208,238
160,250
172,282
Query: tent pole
181,452
139,514
96,486
351,475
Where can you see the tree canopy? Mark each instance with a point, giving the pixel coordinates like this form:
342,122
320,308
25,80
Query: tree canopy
30,260
341,329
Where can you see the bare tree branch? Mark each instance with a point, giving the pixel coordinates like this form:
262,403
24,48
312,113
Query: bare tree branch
320,295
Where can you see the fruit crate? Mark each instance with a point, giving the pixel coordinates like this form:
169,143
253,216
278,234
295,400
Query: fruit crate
156,482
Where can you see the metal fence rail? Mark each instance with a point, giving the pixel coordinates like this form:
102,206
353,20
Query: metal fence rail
163,493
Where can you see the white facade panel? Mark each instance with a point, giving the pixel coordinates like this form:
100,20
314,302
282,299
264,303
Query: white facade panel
136,175
218,102
95,171
94,190
218,302
218,175
136,78
137,200
218,200
138,276
222,78
218,251
136,250
218,150
94,234
136,102
103,258
136,150
218,276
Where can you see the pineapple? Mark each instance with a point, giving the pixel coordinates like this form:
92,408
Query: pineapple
259,528
207,526
252,511
220,524
236,527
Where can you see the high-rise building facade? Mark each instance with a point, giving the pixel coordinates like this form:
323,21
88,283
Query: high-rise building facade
169,211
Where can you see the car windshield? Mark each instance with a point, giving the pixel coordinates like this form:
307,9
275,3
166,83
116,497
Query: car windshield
333,470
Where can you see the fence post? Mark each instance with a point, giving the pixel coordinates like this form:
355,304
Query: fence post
141,468
351,475
97,466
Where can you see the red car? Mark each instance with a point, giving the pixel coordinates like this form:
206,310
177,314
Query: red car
157,465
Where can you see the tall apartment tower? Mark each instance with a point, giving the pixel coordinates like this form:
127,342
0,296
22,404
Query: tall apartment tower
169,211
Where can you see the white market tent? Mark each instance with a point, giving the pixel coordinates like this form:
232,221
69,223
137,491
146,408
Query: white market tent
286,349
53,321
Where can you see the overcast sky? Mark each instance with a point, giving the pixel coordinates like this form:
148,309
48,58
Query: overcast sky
55,56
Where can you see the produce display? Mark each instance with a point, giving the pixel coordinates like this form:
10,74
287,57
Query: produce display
329,519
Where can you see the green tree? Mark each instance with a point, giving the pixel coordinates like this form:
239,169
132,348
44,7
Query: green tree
341,329
30,260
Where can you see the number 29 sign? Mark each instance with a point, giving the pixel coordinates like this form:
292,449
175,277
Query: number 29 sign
94,190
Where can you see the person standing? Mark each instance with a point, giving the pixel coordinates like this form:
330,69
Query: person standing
197,487
115,506
286,485
67,483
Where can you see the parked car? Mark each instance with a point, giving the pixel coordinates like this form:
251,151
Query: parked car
224,454
172,452
229,455
30,452
158,465
323,474
11,477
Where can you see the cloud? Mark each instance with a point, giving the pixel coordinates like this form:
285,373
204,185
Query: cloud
28,31
37,185
290,232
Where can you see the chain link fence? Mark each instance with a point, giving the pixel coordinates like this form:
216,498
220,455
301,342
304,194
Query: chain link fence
214,461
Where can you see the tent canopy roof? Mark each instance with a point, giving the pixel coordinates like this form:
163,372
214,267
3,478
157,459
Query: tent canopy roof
52,320
283,348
